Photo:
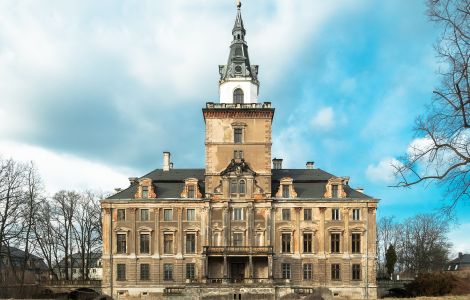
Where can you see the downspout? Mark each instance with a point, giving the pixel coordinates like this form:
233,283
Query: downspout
111,248
367,252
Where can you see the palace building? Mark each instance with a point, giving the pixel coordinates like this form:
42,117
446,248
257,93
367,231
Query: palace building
243,227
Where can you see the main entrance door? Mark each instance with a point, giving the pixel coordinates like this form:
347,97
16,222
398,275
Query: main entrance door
237,272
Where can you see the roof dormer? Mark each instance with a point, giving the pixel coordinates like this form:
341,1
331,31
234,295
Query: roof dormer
191,189
146,189
335,187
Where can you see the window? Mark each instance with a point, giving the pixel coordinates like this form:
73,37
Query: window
190,214
167,272
286,214
144,243
237,135
121,272
168,243
356,272
285,271
307,214
335,242
238,96
308,268
334,191
144,214
356,214
285,191
145,191
121,243
121,214
190,271
191,191
285,243
356,243
233,188
168,215
237,239
144,271
238,154
335,214
308,243
237,214
190,243
335,272
242,187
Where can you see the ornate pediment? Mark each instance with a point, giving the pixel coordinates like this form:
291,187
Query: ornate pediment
238,167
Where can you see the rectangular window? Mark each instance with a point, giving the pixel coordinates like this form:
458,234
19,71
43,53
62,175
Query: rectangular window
145,191
285,271
145,243
238,135
190,243
335,272
190,271
285,248
191,191
121,214
233,188
285,191
168,243
335,237
144,214
144,271
237,214
356,214
308,243
286,214
334,191
121,272
307,214
190,214
168,214
242,187
335,214
121,243
167,272
356,243
308,270
240,154
356,272
237,239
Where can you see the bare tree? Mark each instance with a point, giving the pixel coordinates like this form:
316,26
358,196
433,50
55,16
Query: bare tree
441,152
387,234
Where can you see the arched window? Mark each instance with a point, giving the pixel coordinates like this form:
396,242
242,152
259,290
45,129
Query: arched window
241,187
238,96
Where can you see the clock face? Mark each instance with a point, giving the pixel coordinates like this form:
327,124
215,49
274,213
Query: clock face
238,69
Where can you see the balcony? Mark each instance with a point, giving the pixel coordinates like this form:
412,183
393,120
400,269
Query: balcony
238,250
213,105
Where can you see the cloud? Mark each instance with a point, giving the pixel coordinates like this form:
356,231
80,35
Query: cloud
459,238
323,119
382,172
63,171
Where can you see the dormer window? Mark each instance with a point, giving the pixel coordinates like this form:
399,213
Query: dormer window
286,188
334,191
335,188
145,189
238,96
191,192
145,192
191,189
285,191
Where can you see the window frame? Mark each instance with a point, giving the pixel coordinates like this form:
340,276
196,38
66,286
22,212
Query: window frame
286,214
308,214
307,271
286,242
190,271
237,214
241,183
356,214
285,191
192,214
335,272
144,275
144,243
334,191
121,244
335,214
356,272
191,191
335,243
355,242
144,214
121,214
190,243
286,270
145,192
169,217
167,272
238,98
307,243
120,272
238,135
168,246
240,240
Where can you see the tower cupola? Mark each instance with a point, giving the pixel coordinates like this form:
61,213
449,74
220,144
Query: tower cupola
238,78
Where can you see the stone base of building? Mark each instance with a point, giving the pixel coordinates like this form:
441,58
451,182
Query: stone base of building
240,292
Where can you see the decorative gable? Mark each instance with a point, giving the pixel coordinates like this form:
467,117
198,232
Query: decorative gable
335,187
191,189
286,188
146,189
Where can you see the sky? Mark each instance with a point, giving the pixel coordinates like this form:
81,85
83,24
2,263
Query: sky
94,91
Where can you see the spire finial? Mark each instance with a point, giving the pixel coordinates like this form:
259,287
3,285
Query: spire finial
239,4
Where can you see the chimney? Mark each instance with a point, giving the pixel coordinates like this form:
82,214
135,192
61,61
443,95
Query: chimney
166,161
310,165
132,180
460,255
117,190
171,166
277,163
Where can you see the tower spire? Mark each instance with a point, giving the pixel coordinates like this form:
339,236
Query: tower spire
238,69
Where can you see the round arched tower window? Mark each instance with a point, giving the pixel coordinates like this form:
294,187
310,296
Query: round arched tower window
238,96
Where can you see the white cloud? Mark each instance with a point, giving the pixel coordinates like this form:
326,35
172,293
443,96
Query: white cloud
459,238
383,172
61,171
323,119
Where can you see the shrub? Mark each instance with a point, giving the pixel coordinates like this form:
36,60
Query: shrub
432,284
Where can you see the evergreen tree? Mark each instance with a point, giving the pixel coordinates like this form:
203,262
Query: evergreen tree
391,259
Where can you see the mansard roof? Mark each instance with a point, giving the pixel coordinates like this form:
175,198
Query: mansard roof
308,183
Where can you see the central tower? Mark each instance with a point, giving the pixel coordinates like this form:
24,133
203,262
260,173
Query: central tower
238,129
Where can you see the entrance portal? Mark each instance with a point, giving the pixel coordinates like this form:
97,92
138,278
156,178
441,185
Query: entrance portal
237,272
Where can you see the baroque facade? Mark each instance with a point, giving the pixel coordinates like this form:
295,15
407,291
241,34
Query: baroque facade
243,227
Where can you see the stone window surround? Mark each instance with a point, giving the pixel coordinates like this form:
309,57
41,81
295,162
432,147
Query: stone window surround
191,182
286,181
145,182
338,181
169,231
145,230
242,126
194,231
125,231
286,230
339,231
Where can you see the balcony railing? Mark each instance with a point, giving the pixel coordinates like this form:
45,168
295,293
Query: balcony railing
237,105
238,250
